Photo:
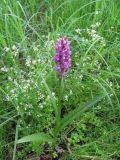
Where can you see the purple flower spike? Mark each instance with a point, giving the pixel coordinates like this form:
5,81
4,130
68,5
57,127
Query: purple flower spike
62,56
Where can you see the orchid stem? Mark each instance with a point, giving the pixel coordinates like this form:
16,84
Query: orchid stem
58,117
59,99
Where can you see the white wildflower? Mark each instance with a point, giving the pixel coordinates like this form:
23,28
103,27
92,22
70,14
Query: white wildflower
16,52
41,106
6,49
110,84
28,61
93,31
53,94
66,98
12,91
99,66
111,95
26,86
35,48
81,77
75,37
98,24
9,78
71,92
33,62
97,12
17,108
4,69
14,48
43,36
77,30
7,98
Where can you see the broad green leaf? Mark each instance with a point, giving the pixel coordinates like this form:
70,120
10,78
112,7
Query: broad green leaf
37,137
76,113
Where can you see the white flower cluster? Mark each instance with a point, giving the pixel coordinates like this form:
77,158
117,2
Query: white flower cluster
89,35
78,30
23,83
96,25
6,49
14,49
49,44
66,97
4,69
97,12
96,37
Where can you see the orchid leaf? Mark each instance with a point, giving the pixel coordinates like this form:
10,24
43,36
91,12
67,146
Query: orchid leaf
76,113
37,137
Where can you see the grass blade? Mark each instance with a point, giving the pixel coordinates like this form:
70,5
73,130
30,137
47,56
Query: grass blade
16,137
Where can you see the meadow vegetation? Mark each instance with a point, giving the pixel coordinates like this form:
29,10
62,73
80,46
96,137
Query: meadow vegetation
29,83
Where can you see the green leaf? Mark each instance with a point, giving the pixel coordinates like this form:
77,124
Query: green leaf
38,137
76,113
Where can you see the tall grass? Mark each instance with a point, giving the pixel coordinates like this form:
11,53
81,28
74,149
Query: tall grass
28,24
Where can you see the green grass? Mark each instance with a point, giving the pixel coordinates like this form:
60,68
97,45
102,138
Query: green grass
28,32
